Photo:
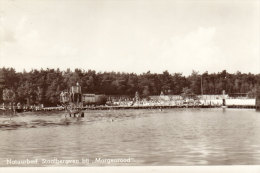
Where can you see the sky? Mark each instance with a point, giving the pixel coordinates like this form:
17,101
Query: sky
131,35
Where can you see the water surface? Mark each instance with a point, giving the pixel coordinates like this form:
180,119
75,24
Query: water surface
147,137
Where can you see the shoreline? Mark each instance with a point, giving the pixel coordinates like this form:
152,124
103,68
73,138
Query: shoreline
160,107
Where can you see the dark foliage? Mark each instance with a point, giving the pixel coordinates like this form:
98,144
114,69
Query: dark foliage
44,86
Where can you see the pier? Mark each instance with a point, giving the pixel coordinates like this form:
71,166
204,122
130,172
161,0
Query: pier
144,107
46,109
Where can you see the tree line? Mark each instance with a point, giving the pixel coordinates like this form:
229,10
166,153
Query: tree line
44,86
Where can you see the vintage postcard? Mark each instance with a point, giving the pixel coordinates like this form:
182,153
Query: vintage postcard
127,84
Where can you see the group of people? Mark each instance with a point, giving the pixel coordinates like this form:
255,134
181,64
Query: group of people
19,106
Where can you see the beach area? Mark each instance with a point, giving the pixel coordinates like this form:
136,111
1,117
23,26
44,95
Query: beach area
144,104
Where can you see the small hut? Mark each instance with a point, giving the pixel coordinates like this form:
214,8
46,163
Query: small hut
72,100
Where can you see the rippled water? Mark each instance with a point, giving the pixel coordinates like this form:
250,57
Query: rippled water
147,137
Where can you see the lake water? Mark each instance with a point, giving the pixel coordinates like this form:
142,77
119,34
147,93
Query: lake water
132,137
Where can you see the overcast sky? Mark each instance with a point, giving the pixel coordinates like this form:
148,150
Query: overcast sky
131,35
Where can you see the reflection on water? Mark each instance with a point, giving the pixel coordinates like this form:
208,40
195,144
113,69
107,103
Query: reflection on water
150,137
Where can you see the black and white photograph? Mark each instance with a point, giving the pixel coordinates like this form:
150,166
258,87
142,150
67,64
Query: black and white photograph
129,83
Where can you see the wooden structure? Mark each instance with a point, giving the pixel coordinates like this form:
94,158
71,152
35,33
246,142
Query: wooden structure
76,94
72,101
93,99
224,98
88,98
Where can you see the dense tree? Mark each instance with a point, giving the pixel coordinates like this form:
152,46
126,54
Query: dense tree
8,95
44,86
195,82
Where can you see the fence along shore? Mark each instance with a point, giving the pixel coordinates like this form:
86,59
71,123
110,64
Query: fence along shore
238,103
